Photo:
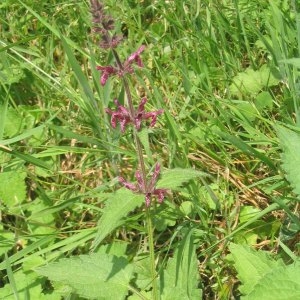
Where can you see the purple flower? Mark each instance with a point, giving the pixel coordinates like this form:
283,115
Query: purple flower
121,115
146,188
134,57
142,115
103,24
124,117
106,72
125,68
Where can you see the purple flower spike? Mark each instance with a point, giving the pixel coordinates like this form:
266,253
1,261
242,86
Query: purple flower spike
146,188
125,68
121,115
103,25
124,117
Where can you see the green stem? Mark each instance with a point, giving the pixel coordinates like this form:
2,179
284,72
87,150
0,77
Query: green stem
152,255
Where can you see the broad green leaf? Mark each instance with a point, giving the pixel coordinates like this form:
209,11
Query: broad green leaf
263,100
180,280
117,248
40,223
281,283
246,109
251,265
12,187
117,207
247,212
290,144
25,283
142,270
13,122
32,262
165,215
144,295
174,178
187,208
99,276
248,237
251,81
10,73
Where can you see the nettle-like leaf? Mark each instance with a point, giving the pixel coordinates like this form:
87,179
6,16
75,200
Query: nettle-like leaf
12,187
290,143
96,276
174,178
180,280
282,283
117,207
252,266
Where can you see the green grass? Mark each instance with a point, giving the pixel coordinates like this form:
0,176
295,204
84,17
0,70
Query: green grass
225,73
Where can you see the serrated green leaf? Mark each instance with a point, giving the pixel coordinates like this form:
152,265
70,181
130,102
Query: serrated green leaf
99,276
12,187
180,280
282,283
290,144
174,178
251,265
117,207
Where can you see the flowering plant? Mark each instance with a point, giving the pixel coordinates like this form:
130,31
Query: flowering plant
105,274
104,26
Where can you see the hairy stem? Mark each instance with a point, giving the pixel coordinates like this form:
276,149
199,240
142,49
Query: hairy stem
142,166
152,255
